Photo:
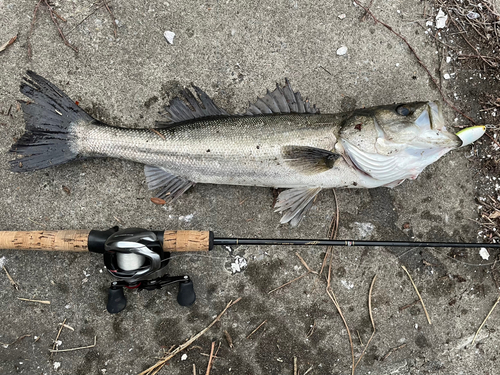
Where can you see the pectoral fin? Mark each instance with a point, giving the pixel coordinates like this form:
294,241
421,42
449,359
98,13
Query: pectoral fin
295,203
309,160
172,187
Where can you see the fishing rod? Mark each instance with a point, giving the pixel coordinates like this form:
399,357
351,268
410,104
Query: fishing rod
138,258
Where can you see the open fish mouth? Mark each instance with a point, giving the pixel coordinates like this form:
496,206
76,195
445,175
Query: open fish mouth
432,118
434,133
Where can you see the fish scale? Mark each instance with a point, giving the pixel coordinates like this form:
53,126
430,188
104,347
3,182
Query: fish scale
242,150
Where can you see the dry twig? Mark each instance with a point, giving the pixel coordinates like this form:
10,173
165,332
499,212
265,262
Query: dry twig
408,305
418,294
32,26
53,16
12,282
330,293
67,326
371,319
309,270
332,232
311,330
73,349
256,329
14,342
113,19
485,319
57,337
209,366
392,350
170,354
8,43
34,300
158,133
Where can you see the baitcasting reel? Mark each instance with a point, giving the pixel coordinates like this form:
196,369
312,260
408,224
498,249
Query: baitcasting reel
136,258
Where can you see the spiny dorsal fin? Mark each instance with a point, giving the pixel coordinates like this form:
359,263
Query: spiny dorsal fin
281,100
188,107
309,160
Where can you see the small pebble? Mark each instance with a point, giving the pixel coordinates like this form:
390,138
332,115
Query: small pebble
169,36
342,51
484,253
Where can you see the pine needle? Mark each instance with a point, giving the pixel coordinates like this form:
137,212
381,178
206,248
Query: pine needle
418,294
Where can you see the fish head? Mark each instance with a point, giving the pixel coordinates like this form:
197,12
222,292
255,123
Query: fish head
389,129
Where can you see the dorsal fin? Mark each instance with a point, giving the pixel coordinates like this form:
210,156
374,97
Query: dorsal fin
188,107
281,100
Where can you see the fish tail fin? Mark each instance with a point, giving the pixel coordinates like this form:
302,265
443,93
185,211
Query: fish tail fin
49,116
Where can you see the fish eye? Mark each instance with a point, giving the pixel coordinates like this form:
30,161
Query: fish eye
402,110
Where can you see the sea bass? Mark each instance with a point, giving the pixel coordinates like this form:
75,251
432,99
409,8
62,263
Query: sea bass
282,141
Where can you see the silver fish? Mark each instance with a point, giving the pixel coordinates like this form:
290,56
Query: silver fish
282,141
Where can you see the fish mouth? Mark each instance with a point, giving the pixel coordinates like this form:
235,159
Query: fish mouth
431,120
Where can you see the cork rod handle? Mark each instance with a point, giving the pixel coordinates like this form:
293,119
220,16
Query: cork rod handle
186,240
55,240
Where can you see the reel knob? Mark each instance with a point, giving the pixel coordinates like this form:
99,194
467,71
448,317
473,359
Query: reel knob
116,299
186,295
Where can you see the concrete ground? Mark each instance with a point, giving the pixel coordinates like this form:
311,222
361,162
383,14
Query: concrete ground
235,51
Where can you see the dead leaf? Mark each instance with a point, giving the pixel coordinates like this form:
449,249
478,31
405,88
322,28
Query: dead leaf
494,215
5,45
158,201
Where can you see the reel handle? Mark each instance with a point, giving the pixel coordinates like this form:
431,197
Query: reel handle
116,299
93,240
186,295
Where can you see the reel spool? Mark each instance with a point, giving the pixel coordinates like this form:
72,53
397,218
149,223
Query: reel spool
136,258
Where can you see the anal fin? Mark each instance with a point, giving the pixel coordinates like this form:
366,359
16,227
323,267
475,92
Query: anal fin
172,187
295,203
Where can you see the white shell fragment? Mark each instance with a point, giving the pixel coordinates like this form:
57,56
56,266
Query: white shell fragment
342,16
342,51
169,36
484,253
184,357
446,76
471,134
473,15
441,19
239,264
